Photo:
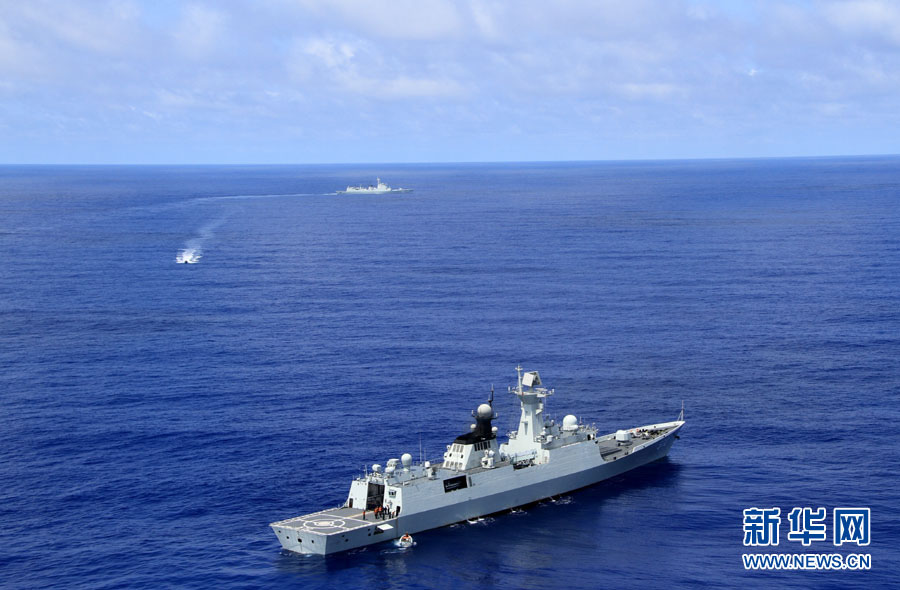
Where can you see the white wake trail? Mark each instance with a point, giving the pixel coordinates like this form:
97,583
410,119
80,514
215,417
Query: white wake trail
188,256
192,251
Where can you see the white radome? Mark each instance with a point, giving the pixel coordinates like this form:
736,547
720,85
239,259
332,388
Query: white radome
570,423
485,411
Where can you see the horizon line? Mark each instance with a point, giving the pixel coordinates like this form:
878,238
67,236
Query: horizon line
460,162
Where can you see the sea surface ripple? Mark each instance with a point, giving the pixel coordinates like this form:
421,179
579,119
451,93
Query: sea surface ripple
157,416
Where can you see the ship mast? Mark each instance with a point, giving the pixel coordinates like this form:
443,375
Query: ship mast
531,422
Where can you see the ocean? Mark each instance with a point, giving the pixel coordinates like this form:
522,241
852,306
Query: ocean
157,416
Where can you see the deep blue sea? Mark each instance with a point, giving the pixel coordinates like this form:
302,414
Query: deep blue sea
155,417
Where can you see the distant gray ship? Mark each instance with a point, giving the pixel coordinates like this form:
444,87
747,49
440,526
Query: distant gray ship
379,188
478,476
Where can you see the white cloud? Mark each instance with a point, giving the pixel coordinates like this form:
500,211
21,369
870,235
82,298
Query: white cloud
400,87
15,55
651,90
331,53
485,18
866,17
393,19
449,69
102,27
358,67
200,31
831,109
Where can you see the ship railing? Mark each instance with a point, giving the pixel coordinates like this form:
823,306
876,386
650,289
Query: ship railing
518,457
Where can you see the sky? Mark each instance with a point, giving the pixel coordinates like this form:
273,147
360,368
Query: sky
309,81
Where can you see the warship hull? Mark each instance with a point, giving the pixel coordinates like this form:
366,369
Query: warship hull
480,492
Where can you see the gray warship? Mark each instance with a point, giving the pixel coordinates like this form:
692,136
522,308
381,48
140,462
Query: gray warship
478,476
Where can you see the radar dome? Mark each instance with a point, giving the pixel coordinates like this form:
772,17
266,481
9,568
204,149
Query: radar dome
376,468
485,412
406,459
570,422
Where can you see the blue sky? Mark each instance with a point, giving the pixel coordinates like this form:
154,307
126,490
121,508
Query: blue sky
306,81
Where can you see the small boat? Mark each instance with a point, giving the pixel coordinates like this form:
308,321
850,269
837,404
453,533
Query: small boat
405,541
379,188
188,256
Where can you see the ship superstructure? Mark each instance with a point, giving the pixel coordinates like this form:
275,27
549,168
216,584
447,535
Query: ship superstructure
477,475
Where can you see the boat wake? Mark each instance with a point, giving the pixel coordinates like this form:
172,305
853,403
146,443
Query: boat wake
174,205
270,196
563,500
192,251
188,256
